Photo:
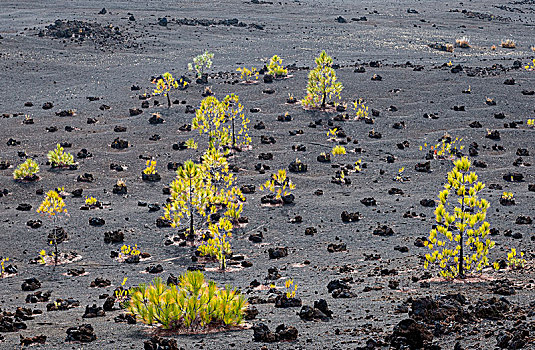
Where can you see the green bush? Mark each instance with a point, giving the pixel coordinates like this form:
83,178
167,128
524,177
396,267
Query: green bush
27,170
192,304
60,158
322,85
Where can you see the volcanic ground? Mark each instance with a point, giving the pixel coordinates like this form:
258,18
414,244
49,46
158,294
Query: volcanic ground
79,73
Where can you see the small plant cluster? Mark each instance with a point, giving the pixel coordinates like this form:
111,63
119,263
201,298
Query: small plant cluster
92,203
459,242
341,176
58,158
275,67
361,110
218,120
200,63
150,167
445,149
508,44
279,185
246,74
463,42
531,65
400,176
322,83
531,122
291,288
165,84
338,150
54,206
128,251
44,257
122,294
193,304
514,261
27,171
3,267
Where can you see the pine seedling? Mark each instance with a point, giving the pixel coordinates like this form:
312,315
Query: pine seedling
122,293
190,196
150,168
3,267
332,134
210,119
27,171
463,42
218,245
514,261
128,251
221,184
338,150
246,74
59,158
165,84
275,67
508,44
361,110
530,65
459,243
279,184
54,206
200,63
233,111
291,288
322,85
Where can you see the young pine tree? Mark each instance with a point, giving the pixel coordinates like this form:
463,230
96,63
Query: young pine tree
459,243
322,85
210,119
190,196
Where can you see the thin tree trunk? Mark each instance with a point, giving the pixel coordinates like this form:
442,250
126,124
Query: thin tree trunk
461,258
191,232
233,134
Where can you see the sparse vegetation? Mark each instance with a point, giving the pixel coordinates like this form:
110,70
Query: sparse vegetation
3,266
53,205
322,83
508,44
247,74
193,304
464,229
463,42
361,110
165,84
150,167
27,171
338,150
200,63
279,184
58,158
515,261
275,67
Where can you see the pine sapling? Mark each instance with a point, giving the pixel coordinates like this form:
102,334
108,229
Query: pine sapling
322,83
53,205
459,243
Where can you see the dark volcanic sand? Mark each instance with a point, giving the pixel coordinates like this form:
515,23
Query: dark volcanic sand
43,69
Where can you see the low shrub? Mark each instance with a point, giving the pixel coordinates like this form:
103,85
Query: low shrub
193,304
